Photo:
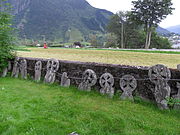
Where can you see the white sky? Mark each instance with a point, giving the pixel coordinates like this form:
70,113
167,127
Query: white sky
123,5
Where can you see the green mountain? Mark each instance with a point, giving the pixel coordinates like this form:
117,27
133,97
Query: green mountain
175,29
162,32
60,20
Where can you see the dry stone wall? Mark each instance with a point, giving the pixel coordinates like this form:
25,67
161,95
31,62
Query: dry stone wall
130,80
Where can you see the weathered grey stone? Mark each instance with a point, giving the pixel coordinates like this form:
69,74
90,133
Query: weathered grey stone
5,71
177,98
106,82
89,79
128,84
160,75
23,68
16,68
52,68
38,68
9,65
65,81
178,67
73,133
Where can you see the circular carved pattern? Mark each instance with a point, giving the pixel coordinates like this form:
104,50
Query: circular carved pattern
128,83
159,72
38,66
23,64
89,77
106,80
53,65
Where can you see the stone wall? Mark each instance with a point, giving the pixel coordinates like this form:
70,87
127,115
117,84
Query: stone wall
75,70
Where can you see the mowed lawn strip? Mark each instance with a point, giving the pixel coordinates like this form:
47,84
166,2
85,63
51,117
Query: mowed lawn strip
33,108
105,56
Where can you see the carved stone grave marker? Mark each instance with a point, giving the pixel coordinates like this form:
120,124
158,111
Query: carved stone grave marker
178,67
16,66
5,71
128,84
23,68
52,68
9,65
177,97
38,68
89,79
160,75
65,81
106,82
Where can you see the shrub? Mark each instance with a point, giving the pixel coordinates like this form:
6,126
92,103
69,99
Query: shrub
6,37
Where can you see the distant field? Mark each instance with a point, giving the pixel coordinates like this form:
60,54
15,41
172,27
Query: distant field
134,58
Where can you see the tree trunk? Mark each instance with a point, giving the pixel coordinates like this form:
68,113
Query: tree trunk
148,37
122,35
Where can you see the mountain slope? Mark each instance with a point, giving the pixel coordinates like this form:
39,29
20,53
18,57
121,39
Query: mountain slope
58,19
175,29
163,32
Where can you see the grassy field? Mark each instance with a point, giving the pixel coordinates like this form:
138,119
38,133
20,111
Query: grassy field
134,58
28,108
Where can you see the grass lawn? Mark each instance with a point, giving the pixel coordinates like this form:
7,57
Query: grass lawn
134,58
29,108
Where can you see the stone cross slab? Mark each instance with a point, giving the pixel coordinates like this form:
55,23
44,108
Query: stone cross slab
52,68
160,75
89,79
128,84
38,68
106,82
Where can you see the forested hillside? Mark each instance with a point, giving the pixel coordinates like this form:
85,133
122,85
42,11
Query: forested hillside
62,20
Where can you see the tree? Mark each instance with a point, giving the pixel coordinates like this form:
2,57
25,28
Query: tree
6,37
111,40
160,42
117,26
150,13
129,33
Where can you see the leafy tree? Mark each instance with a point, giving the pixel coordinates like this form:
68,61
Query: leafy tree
160,42
117,26
6,37
129,33
150,13
111,40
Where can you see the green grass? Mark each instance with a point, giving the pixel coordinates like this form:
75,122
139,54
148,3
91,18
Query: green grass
29,108
22,48
146,51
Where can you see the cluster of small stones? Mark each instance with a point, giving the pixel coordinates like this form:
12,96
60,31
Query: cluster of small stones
158,74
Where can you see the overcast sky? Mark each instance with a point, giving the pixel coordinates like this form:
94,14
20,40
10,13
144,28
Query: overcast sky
118,5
